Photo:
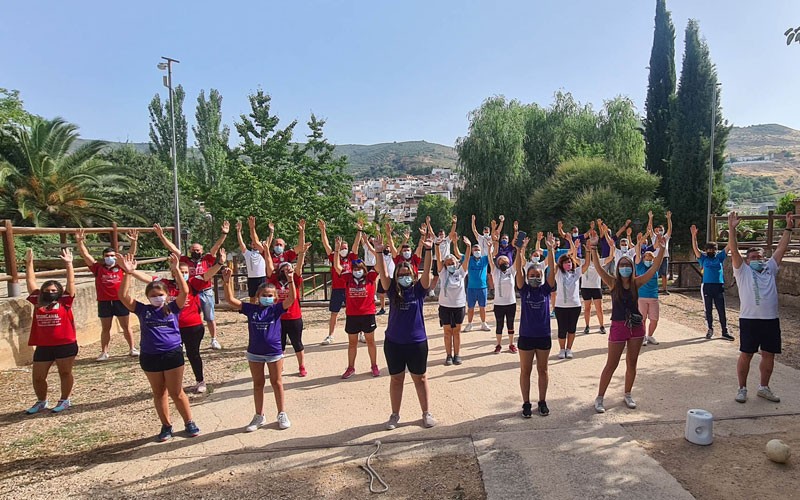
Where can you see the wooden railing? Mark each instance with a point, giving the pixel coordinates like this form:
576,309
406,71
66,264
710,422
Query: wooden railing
9,232
768,241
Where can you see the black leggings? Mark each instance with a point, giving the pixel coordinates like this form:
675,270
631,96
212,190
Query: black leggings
191,337
508,312
293,329
714,295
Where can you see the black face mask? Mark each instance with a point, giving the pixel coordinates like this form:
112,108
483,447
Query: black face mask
196,255
711,253
386,252
49,297
503,267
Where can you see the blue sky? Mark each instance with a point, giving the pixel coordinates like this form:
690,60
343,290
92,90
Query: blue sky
380,71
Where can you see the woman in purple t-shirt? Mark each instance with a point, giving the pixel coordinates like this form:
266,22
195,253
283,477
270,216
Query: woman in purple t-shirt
406,344
264,344
161,355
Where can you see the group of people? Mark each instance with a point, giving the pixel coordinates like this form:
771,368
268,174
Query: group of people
550,282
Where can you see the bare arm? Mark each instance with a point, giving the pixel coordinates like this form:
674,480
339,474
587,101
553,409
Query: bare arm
551,259
323,230
467,254
475,230
783,244
695,249
439,256
80,241
641,280
271,236
251,223
380,264
30,272
561,230
669,224
227,286
520,278
607,278
226,227
239,238
499,230
623,228
177,275
169,245
426,266
133,238
66,256
213,270
289,300
128,265
336,261
268,262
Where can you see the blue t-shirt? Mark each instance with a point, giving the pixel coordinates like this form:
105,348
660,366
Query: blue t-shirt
406,324
477,272
712,267
559,253
160,331
264,327
650,289
535,303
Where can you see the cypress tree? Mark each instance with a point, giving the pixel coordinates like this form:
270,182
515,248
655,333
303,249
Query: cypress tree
690,135
660,93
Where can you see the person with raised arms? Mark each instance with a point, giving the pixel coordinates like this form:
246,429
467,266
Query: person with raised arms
452,299
505,297
388,262
535,340
52,333
608,242
292,319
477,282
264,343
345,257
658,230
578,238
406,344
648,293
591,289
713,286
107,280
568,299
626,320
253,259
405,254
162,356
544,254
759,322
199,263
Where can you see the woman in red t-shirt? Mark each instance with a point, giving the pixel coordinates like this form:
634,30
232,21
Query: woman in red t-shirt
360,306
52,332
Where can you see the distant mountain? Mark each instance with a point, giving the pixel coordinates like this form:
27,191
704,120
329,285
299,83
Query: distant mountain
374,160
757,140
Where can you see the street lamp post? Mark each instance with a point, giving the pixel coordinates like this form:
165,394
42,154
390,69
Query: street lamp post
174,147
711,159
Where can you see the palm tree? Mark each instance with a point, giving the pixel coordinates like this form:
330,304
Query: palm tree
47,182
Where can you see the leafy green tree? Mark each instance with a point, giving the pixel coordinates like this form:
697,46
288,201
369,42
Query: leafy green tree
49,183
438,208
211,137
262,141
11,109
690,132
621,133
161,128
660,94
786,204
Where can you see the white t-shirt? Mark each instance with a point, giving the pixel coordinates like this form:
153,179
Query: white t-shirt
758,294
591,279
369,257
618,254
485,243
453,293
388,262
504,286
444,248
256,265
568,293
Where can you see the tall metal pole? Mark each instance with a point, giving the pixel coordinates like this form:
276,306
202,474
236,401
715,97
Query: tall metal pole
711,160
174,152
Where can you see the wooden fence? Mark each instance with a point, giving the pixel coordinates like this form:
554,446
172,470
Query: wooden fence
766,238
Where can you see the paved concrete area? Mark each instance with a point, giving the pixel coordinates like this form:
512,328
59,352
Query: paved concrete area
572,453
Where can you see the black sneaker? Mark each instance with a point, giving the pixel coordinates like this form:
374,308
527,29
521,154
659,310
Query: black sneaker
382,311
710,333
543,409
165,434
448,361
456,359
586,331
526,410
727,336
602,330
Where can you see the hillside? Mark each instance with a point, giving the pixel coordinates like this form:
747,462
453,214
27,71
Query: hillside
757,140
374,160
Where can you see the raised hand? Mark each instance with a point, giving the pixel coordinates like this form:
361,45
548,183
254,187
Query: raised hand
428,220
80,234
466,240
539,236
379,247
227,272
550,241
650,213
454,219
639,238
66,256
628,222
560,226
173,261
226,227
502,218
594,240
223,256
693,229
423,230
238,226
407,234
301,225
628,232
128,264
308,245
132,235
338,242
28,258
428,243
271,227
789,220
251,221
516,226
321,225
733,221
473,219
669,215
525,242
359,225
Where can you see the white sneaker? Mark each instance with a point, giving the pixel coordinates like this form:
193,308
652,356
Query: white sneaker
200,388
485,327
427,420
629,402
134,352
257,422
598,405
644,341
328,340
568,353
651,340
765,392
361,338
283,420
215,344
394,419
562,353
468,328
741,396
103,356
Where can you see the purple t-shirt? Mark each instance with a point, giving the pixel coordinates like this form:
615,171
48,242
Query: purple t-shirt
406,325
508,251
605,250
535,303
579,242
264,327
160,331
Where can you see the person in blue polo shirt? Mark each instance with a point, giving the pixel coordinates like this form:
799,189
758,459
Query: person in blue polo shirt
713,286
477,285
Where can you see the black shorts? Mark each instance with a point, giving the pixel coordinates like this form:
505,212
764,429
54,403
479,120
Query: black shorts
53,352
591,294
161,362
111,308
358,324
380,287
760,333
253,284
534,343
400,356
567,319
451,316
435,268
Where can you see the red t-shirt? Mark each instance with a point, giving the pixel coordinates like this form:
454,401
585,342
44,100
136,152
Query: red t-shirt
190,314
54,326
360,294
414,260
336,280
293,312
200,267
106,281
286,256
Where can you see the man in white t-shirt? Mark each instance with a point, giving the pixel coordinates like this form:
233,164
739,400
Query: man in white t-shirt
663,270
254,260
759,326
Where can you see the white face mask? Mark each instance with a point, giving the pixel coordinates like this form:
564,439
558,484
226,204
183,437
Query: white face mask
358,274
110,261
158,301
406,254
344,252
476,254
624,248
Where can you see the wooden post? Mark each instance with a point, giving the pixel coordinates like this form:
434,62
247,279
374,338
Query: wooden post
114,237
175,238
11,259
714,232
770,231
